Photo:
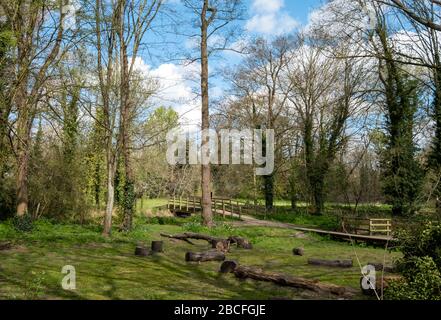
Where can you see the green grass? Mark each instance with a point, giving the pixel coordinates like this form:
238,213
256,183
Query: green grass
108,269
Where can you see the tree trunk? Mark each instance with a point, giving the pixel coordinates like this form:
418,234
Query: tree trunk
23,147
110,193
207,214
269,192
129,186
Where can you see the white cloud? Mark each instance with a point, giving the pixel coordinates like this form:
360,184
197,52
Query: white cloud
270,19
175,90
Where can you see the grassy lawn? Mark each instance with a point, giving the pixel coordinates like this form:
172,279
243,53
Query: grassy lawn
108,269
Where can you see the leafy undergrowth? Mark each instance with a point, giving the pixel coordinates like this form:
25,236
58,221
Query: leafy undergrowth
107,268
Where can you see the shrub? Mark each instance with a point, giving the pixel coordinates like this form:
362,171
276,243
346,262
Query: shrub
420,265
24,223
422,281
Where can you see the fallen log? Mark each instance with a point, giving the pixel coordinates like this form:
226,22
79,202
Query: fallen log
242,272
220,244
189,235
212,255
331,263
380,267
157,246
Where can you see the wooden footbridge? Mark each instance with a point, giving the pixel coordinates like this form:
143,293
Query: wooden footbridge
378,231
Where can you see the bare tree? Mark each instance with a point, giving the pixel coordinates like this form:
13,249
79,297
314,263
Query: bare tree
135,19
212,17
256,84
324,93
39,38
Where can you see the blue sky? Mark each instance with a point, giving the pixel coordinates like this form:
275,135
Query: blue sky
266,18
299,9
296,9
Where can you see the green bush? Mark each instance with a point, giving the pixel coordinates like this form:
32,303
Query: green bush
422,281
420,265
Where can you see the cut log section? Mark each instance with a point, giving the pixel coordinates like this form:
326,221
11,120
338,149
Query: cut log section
228,266
212,255
298,251
331,263
157,246
242,272
142,251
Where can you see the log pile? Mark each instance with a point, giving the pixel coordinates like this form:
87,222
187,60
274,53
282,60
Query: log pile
243,272
220,244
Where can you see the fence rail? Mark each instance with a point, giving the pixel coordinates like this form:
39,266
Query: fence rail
229,207
367,226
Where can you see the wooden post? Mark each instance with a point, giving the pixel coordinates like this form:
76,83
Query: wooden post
194,204
180,202
231,206
223,208
239,208
187,205
174,202
370,227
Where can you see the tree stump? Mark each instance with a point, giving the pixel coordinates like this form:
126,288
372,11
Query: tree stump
157,246
298,251
212,255
142,251
228,266
331,263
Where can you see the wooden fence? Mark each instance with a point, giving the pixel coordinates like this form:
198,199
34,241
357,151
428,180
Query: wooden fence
221,206
367,226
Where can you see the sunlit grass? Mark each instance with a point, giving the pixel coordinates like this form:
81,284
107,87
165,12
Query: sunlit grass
107,268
